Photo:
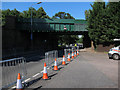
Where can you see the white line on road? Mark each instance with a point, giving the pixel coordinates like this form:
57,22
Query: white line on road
13,87
36,75
42,71
22,82
27,80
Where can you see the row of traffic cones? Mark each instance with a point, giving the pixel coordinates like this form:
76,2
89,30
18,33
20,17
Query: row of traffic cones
73,55
45,75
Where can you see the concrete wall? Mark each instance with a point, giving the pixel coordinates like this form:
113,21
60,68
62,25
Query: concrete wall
15,41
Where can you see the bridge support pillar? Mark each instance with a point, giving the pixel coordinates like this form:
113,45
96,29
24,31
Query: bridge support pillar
86,40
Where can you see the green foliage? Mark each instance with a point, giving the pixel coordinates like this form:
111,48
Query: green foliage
65,39
87,14
80,40
68,39
63,15
40,13
103,22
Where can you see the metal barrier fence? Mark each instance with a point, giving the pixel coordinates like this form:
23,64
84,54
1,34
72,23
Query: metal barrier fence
10,69
66,51
73,49
50,57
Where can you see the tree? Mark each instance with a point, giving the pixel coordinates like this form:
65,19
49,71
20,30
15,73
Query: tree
113,12
87,14
40,13
4,14
63,15
103,22
80,40
65,39
94,21
68,39
15,13
25,14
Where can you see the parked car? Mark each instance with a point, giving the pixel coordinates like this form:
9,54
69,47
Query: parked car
114,53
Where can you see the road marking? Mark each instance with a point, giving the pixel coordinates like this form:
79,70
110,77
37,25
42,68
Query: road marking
22,82
36,75
42,71
13,87
27,80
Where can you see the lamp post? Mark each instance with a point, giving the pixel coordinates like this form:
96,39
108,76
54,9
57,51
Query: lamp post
31,36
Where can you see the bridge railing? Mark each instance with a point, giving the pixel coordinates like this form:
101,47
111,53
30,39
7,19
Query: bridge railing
46,25
10,69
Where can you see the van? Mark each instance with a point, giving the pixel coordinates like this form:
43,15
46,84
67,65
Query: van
114,53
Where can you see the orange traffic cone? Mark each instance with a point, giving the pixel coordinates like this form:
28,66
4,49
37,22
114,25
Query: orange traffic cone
63,62
72,55
45,76
77,52
68,57
55,65
19,83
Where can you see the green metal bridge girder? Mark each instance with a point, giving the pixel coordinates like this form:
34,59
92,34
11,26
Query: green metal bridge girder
51,25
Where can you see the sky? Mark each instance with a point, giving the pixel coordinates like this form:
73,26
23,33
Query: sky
76,9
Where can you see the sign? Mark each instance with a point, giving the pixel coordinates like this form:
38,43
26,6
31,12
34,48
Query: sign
65,28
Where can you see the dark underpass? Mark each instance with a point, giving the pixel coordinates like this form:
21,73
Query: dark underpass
17,42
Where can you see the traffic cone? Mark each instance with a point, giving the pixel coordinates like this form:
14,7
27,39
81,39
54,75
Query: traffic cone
72,55
63,62
77,52
45,76
68,57
55,65
19,83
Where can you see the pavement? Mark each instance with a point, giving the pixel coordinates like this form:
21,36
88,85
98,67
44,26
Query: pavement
88,70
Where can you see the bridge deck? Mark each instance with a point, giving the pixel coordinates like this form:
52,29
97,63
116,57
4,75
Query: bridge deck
51,24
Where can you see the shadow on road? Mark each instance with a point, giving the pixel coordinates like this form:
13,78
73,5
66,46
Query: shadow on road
36,80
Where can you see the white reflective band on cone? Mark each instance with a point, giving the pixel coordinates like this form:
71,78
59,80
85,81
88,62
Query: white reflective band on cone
45,70
55,63
63,59
68,56
72,54
19,84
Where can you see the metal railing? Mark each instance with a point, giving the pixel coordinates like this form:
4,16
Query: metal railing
70,50
10,69
50,57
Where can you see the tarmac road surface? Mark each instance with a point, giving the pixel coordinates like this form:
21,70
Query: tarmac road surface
88,70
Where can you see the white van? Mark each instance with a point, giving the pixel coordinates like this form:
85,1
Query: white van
114,53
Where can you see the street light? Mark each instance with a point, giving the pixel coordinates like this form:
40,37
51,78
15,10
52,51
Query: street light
31,36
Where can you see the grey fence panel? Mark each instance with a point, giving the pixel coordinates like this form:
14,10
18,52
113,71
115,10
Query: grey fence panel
66,51
10,69
50,57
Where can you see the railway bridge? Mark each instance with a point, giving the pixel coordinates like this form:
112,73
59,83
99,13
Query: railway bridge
19,32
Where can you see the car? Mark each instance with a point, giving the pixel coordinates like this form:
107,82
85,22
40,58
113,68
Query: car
114,53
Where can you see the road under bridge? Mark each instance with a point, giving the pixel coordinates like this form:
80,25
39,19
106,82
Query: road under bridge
16,34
